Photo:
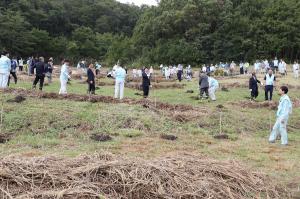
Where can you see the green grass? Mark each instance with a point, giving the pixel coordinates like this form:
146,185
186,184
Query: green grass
57,127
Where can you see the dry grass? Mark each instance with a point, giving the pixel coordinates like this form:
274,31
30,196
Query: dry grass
185,176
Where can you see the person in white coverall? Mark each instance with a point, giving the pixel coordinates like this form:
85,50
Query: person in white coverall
5,67
120,75
213,86
64,77
283,112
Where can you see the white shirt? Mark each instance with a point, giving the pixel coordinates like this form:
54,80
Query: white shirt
275,62
21,62
296,67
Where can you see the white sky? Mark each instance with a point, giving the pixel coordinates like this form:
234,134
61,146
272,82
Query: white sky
139,2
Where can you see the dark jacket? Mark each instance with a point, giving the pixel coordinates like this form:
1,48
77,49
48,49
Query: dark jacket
203,81
91,75
40,68
253,83
13,66
49,68
146,80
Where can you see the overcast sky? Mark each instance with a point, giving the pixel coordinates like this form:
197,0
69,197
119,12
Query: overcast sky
140,2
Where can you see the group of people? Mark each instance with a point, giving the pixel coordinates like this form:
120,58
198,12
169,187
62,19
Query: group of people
177,71
207,84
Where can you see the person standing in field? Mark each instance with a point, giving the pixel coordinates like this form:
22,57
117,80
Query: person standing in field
146,82
151,71
253,87
179,72
98,67
167,72
246,66
257,66
241,68
296,69
49,70
13,71
40,71
232,67
91,80
21,64
31,67
64,77
281,67
5,66
204,85
120,75
283,112
275,65
213,86
270,83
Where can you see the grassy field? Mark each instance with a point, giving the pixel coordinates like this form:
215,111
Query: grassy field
58,127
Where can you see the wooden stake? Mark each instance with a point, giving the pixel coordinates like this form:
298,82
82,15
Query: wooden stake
220,123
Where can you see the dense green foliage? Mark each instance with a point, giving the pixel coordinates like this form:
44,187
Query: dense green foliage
177,31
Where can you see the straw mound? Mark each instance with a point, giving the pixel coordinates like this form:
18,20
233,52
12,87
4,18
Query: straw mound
185,176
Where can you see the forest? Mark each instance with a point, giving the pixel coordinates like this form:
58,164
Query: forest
176,31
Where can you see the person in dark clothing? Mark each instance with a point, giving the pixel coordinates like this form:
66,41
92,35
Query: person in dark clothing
146,82
179,72
40,71
270,83
49,70
13,71
91,80
31,67
253,87
204,85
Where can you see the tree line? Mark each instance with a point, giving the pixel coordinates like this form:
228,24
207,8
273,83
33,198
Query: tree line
176,31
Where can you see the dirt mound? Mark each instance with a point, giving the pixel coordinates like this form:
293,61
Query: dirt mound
168,137
105,84
224,89
253,104
235,85
4,138
90,177
221,137
101,137
17,99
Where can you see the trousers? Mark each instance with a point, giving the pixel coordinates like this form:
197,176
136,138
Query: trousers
14,74
279,128
3,80
119,89
269,89
39,78
204,90
92,88
146,90
211,92
63,87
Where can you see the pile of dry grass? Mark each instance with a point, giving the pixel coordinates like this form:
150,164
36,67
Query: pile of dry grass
184,176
